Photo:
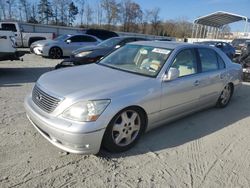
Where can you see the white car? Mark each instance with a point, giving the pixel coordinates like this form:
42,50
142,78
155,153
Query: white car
63,45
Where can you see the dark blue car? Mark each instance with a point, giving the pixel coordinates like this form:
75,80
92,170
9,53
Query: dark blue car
224,46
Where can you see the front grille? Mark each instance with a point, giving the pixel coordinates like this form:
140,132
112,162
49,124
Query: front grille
43,100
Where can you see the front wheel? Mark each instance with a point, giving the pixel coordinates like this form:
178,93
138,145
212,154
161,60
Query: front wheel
124,130
55,53
225,96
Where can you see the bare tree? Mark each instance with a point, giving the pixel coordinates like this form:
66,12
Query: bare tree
155,20
11,4
45,11
3,8
25,5
73,11
99,14
131,15
88,14
62,6
111,8
33,17
81,4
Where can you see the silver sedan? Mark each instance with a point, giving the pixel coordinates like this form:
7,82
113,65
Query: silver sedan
134,89
62,45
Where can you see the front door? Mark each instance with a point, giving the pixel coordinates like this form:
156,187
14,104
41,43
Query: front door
181,95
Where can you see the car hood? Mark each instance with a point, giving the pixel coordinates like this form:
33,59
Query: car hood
43,42
88,48
89,82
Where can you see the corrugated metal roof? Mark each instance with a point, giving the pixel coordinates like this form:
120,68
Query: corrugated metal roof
219,19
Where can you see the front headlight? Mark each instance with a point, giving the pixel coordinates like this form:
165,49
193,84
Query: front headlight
67,63
86,110
82,54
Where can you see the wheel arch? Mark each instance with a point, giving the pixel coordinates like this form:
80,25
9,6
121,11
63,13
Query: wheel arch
141,109
232,85
56,46
34,39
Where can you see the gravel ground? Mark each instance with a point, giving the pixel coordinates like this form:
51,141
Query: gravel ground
207,149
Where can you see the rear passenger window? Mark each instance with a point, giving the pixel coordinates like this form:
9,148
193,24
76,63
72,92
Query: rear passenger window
221,63
87,39
185,62
208,59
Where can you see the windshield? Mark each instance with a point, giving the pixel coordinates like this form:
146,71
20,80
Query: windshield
236,42
62,37
138,59
110,42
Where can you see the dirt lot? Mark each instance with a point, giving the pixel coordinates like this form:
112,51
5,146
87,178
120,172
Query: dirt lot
208,149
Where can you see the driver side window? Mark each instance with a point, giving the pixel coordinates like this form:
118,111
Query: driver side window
185,62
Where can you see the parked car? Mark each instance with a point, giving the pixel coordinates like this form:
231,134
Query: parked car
136,88
8,46
224,46
239,44
92,54
62,45
27,33
244,60
101,33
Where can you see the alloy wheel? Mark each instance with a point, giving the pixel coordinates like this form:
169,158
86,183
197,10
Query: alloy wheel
226,94
126,128
55,53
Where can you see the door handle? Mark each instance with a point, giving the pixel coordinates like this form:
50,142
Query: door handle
196,83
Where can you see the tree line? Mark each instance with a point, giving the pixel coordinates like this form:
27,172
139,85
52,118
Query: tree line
118,15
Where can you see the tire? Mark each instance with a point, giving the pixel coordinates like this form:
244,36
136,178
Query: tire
225,96
124,130
55,53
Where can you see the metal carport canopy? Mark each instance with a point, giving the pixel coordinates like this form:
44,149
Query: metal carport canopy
220,18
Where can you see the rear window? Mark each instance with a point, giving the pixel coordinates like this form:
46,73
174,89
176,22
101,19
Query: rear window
9,27
236,42
208,60
101,34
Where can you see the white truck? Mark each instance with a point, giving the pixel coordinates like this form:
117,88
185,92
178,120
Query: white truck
8,46
27,33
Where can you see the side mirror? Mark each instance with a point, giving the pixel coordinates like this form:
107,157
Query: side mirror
117,46
219,45
68,41
172,74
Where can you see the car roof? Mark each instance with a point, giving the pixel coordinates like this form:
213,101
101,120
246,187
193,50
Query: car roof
164,44
128,37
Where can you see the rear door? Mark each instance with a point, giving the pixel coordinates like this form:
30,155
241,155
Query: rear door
212,76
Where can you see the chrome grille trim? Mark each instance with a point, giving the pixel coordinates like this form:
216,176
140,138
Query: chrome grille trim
45,101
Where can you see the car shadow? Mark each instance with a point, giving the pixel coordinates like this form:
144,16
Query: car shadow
10,77
190,128
23,52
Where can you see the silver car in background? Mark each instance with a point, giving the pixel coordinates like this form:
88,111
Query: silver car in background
134,89
63,45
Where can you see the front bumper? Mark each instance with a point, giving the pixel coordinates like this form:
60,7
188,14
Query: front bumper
38,50
73,142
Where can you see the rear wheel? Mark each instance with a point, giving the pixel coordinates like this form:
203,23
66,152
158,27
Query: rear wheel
124,130
225,96
55,53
